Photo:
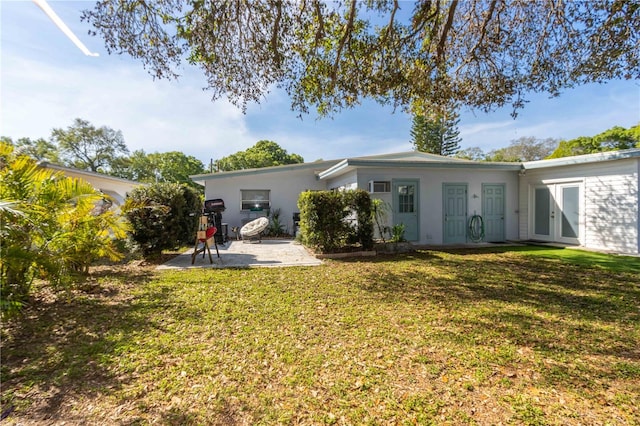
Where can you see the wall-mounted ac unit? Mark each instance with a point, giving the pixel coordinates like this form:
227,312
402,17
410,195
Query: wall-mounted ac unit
379,186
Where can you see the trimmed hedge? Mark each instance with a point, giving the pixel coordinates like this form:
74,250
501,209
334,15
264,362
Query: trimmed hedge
333,221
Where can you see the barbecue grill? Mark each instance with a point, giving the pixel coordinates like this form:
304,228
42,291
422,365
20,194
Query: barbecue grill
214,208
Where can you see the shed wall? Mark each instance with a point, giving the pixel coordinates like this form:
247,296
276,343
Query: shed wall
611,213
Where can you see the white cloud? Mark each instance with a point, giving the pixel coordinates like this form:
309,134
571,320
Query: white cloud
480,128
152,115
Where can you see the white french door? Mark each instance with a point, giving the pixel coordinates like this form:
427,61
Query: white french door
558,212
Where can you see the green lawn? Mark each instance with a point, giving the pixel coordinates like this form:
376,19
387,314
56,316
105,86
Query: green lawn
514,336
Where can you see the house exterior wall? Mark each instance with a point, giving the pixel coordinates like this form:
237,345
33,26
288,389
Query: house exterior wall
344,182
431,182
116,188
284,186
611,216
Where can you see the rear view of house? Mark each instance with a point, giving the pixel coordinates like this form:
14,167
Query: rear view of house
589,201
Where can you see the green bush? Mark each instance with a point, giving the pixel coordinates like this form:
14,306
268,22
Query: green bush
397,233
162,216
359,202
332,221
276,227
50,227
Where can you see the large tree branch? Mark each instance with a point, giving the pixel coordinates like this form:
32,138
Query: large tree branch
346,35
445,31
485,24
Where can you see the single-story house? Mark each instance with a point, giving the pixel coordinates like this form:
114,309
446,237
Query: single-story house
589,200
116,188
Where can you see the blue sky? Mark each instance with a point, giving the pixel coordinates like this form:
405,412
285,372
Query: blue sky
46,82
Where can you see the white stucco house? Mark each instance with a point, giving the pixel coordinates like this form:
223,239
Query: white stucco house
589,200
116,188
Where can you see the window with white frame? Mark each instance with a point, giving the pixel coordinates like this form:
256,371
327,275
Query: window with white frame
255,199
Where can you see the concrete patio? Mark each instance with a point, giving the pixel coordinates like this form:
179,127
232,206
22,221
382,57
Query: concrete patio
238,254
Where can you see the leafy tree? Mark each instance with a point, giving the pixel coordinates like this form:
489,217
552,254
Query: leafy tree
38,149
610,140
86,147
262,154
138,167
162,216
171,166
524,149
436,134
330,55
49,227
474,153
618,138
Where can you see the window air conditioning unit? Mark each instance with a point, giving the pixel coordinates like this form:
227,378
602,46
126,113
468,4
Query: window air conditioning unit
379,186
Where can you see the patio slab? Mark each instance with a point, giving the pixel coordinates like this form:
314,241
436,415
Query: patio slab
236,254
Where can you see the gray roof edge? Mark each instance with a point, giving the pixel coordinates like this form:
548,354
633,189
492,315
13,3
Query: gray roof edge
582,159
361,162
334,169
48,165
248,172
404,154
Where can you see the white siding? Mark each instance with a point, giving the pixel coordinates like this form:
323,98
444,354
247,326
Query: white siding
611,213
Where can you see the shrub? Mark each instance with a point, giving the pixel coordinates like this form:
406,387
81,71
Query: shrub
276,227
331,221
162,216
50,227
359,201
397,233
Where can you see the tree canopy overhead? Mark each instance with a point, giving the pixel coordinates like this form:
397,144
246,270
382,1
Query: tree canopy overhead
331,55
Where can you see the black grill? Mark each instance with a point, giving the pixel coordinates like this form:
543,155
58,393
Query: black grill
213,209
214,206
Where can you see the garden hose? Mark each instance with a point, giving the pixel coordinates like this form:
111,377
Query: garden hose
476,228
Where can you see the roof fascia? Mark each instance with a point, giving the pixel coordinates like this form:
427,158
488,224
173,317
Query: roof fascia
47,165
263,170
583,159
349,163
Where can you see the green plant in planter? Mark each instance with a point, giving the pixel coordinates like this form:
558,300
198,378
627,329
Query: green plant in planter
276,228
397,233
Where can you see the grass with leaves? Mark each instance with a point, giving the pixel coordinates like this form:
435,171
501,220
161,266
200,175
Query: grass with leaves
512,336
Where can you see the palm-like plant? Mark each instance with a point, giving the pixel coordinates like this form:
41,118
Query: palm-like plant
48,226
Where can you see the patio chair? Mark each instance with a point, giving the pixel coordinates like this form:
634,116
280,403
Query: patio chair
254,229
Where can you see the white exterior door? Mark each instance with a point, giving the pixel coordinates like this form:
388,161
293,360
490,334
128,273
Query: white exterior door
569,218
557,212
